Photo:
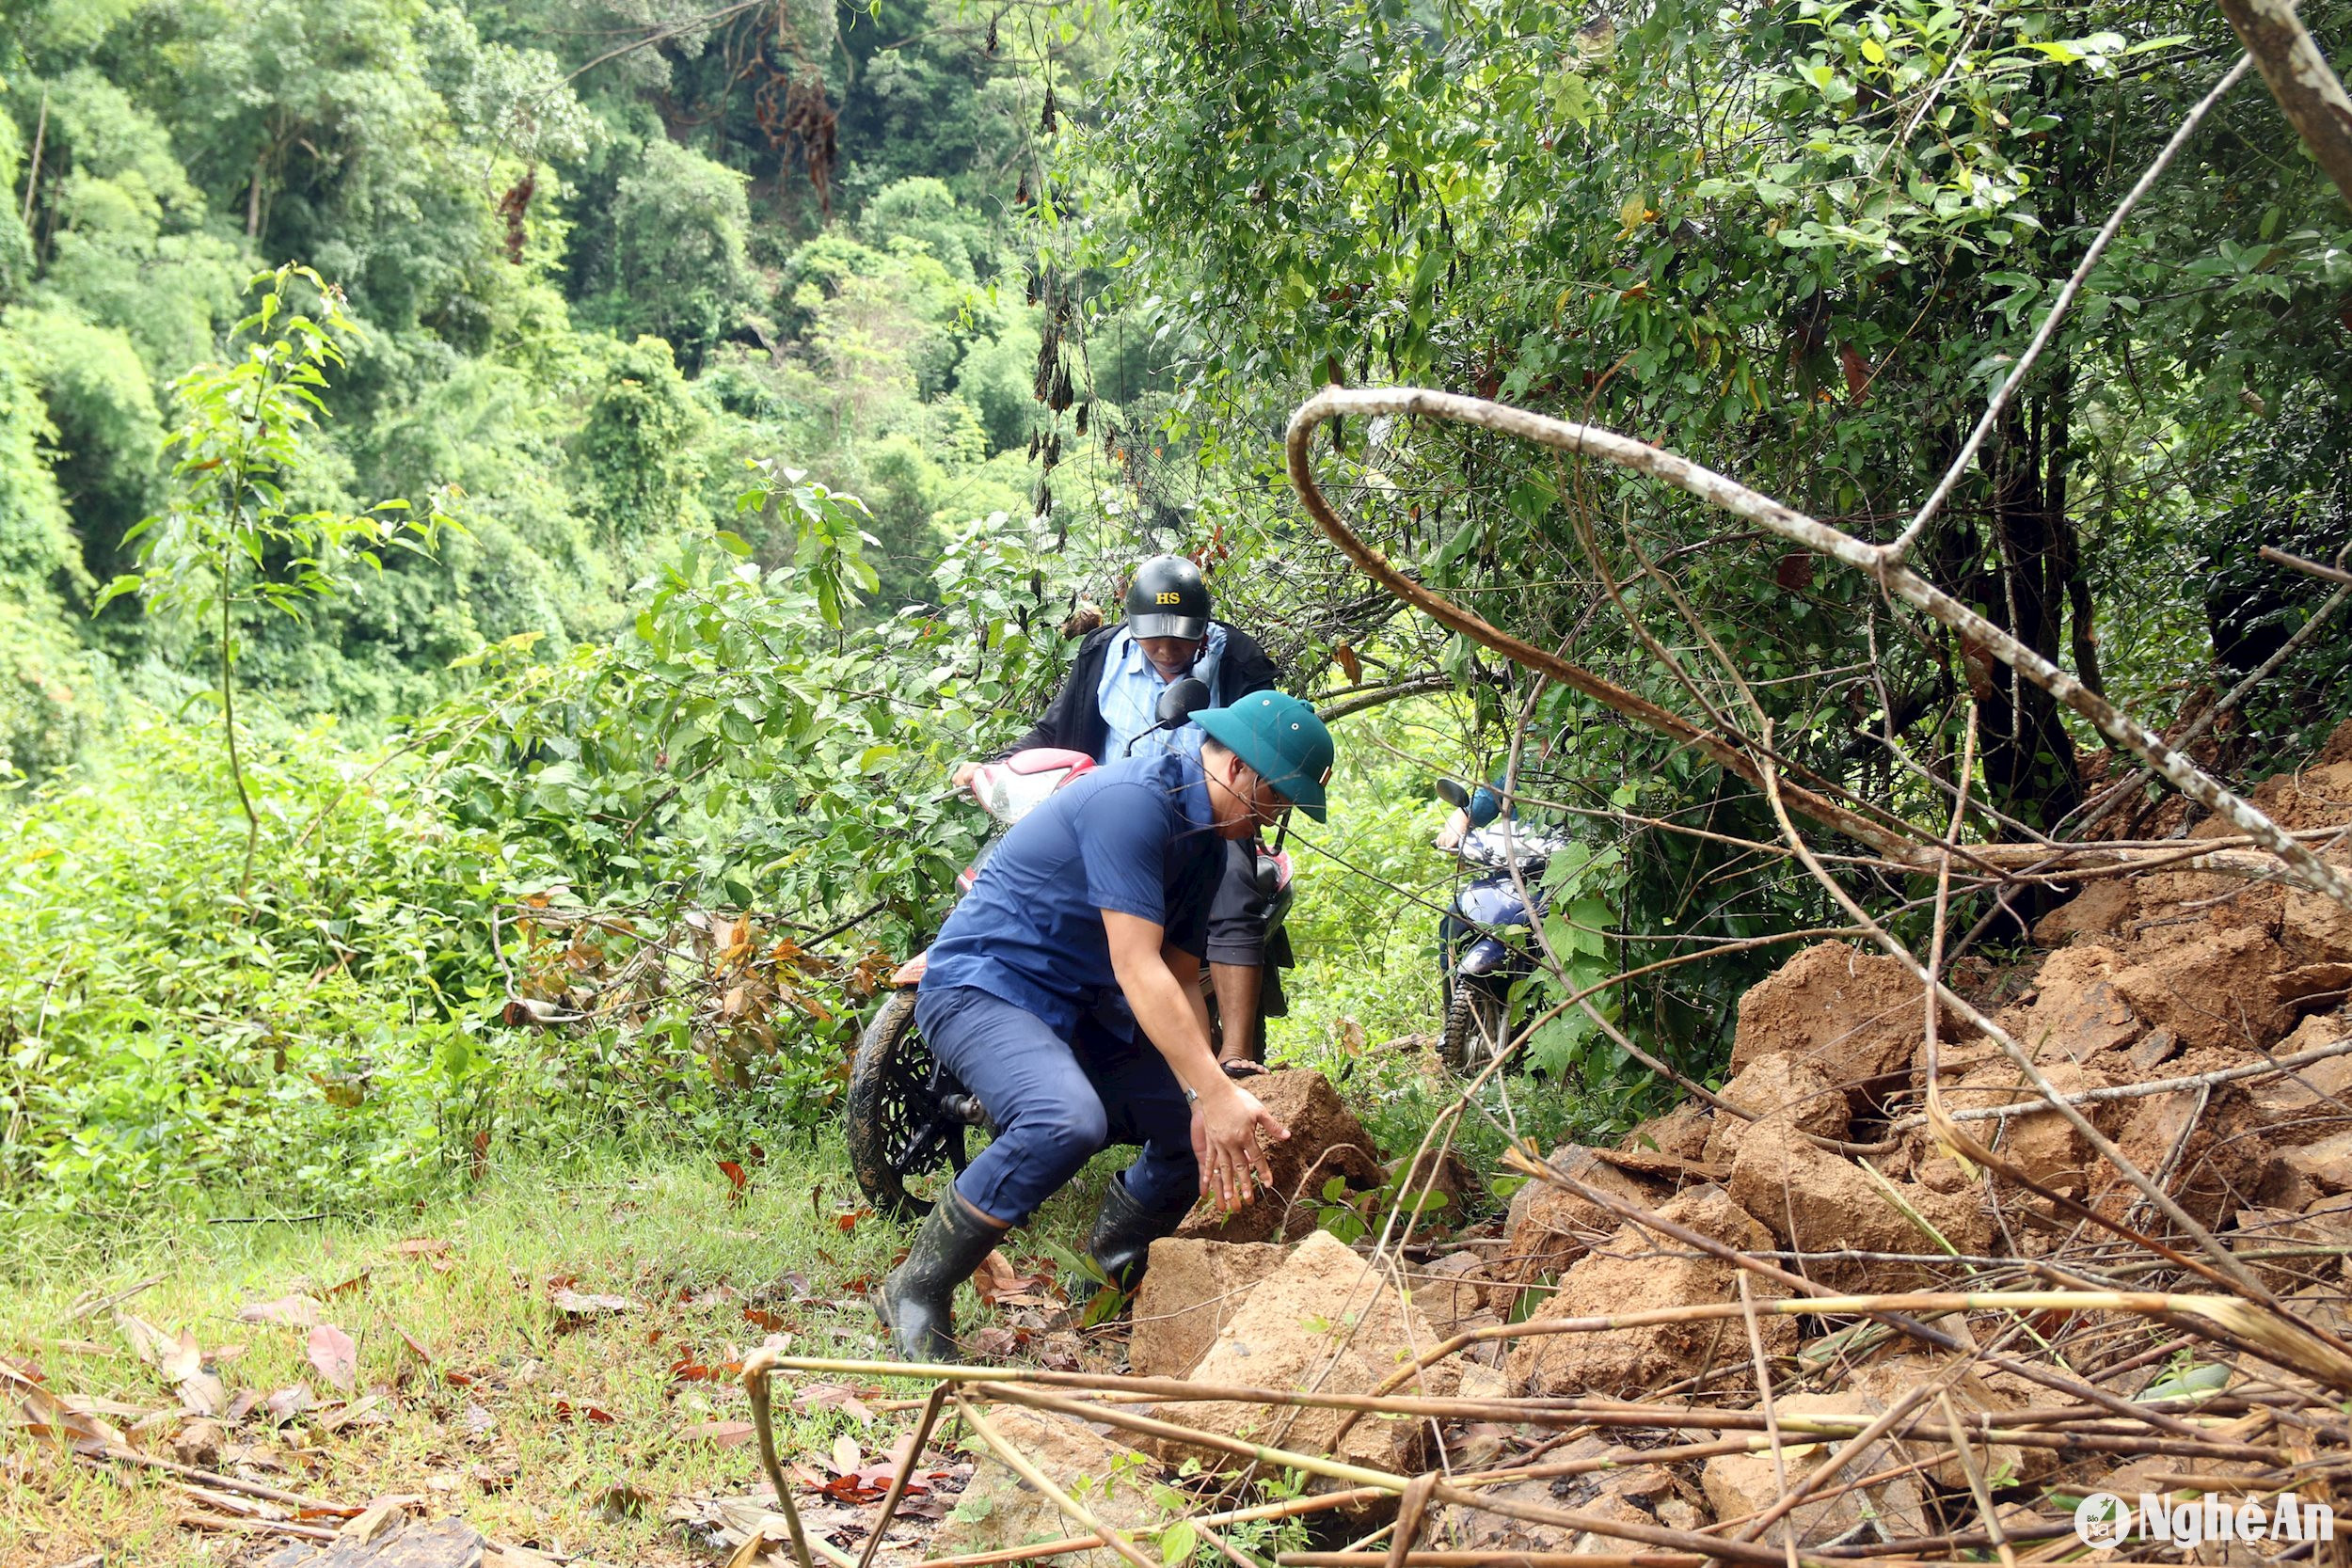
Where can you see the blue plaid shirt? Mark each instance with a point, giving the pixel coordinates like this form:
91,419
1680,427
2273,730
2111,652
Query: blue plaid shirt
1131,691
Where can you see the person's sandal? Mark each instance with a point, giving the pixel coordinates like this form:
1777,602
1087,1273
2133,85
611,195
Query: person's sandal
1241,1068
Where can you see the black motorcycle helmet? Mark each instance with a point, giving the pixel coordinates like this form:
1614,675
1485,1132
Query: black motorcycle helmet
1168,598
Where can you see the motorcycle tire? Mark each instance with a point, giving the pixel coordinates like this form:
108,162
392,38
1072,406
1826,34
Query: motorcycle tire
897,1132
1477,1022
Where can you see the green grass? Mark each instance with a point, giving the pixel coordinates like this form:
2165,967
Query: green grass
653,1234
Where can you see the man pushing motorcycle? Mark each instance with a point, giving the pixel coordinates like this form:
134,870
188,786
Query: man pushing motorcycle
1106,704
1064,991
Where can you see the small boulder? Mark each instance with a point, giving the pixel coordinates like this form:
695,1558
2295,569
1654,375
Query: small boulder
2292,1106
1329,1320
1887,1381
1813,1201
2315,927
2102,909
1325,1141
1785,1089
2211,988
999,1508
1741,1484
2043,1144
1445,1188
1450,1292
1643,1494
1551,1228
2077,1012
1681,1132
1638,1270
1191,1290
1856,1017
2209,1169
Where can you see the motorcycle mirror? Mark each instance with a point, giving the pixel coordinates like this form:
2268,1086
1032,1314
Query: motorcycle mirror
1453,794
1180,702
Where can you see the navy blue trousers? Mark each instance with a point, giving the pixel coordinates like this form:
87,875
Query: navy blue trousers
1056,1103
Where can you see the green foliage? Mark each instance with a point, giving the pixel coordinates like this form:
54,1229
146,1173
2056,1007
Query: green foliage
681,269
635,455
36,549
47,686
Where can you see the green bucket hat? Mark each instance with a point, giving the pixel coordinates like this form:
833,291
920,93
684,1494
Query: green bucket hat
1281,740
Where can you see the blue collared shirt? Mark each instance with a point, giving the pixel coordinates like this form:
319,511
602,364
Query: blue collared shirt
1135,836
1130,690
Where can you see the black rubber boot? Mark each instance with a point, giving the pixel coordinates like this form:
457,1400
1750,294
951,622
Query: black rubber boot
1125,1231
916,1299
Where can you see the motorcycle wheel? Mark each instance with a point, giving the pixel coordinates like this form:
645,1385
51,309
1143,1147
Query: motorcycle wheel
897,1132
1477,1022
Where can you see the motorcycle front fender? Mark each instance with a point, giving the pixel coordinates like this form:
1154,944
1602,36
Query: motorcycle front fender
1485,956
1493,901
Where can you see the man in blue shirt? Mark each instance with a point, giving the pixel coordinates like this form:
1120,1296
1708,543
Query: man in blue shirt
1064,991
1109,702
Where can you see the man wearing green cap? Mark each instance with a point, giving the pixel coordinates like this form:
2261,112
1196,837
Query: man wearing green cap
1064,991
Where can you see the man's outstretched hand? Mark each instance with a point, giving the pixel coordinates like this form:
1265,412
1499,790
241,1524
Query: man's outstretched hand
961,777
1227,1123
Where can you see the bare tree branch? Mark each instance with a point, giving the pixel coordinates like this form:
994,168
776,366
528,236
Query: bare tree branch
2298,77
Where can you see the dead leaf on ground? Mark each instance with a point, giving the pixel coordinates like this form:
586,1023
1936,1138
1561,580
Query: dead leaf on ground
290,1401
579,1304
583,1412
148,1342
333,1355
293,1311
422,1246
721,1435
738,1183
847,1455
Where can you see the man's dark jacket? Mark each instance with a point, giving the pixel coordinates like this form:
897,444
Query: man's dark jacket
1074,722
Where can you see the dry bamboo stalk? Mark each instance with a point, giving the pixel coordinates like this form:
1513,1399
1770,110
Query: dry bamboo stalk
1316,1465
1537,1411
1500,1558
213,1479
196,1520
1320,1503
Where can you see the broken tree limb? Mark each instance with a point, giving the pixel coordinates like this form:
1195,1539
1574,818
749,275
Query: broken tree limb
1902,842
2311,97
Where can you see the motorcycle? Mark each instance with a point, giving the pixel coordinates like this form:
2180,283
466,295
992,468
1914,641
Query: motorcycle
1482,966
910,1120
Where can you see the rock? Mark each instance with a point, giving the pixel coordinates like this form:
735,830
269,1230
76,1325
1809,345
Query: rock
2102,909
1325,1141
2328,1224
2315,927
1446,1188
1449,1291
1329,1319
1680,1132
1551,1228
1887,1381
2213,989
1637,1271
2325,1167
1857,1017
2288,1105
1813,1201
198,1443
999,1509
1741,1484
2077,1011
1779,1087
2042,1144
2318,796
2154,1049
1192,1289
1651,1495
2220,1166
